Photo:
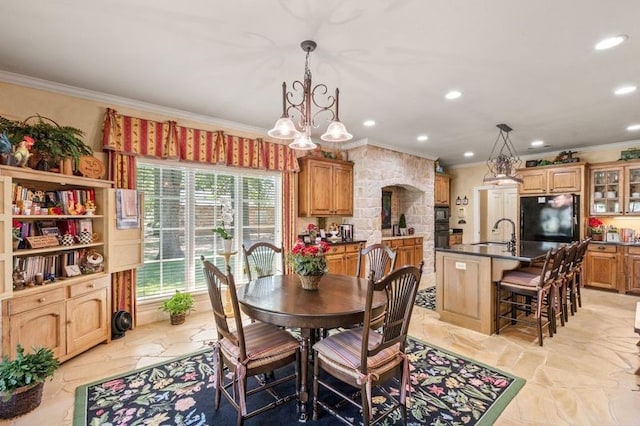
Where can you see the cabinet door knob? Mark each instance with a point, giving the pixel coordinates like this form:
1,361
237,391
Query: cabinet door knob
92,285
601,247
42,299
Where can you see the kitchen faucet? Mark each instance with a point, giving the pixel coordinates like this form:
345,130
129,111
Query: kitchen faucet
511,245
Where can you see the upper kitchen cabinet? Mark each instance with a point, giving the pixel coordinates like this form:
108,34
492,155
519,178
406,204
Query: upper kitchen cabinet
615,189
441,190
556,179
325,187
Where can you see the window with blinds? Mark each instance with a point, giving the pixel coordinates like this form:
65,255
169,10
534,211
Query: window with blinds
182,207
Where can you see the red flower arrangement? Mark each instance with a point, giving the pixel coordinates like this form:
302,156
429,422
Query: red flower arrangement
308,259
595,225
16,230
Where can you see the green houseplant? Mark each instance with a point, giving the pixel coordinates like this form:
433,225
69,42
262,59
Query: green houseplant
52,141
402,224
22,380
177,306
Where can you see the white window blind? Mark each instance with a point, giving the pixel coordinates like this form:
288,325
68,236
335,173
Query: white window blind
182,208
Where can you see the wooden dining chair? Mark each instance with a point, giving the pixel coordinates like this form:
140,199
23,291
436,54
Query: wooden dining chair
526,293
247,350
365,357
260,260
379,258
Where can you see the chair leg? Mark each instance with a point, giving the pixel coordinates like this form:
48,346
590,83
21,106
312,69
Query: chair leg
316,373
497,307
366,398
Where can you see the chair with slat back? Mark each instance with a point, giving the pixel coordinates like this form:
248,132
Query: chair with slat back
526,292
365,357
574,294
260,260
379,258
247,350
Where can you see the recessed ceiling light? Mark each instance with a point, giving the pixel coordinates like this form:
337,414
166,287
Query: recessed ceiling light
423,138
633,127
625,90
610,42
537,143
454,94
369,123
468,154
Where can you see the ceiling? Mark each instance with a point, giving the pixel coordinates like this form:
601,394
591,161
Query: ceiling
529,64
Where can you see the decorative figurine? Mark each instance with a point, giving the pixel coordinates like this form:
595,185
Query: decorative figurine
23,152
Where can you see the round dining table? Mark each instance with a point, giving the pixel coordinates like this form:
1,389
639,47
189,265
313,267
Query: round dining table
280,300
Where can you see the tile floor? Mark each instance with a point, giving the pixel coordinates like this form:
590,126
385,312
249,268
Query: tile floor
582,376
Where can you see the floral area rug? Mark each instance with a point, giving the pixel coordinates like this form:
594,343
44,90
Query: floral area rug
446,389
426,298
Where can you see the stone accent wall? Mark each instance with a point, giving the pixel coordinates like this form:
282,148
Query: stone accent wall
412,180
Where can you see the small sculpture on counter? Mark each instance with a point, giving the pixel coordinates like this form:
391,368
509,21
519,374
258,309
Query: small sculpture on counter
5,148
23,152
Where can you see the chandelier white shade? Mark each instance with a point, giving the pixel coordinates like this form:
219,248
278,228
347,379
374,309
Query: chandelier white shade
285,127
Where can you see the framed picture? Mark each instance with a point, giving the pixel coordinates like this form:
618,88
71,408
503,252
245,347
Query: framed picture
386,209
51,230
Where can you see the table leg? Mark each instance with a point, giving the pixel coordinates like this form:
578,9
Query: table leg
303,400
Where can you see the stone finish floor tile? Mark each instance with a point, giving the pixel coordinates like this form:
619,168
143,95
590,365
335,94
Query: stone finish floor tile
581,376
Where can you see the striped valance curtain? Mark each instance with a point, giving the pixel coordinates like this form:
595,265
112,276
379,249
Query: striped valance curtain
136,136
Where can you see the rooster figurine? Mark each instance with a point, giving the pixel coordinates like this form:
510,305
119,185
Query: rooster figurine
23,152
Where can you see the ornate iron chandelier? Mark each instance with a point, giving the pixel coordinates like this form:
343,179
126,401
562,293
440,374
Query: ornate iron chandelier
504,162
286,129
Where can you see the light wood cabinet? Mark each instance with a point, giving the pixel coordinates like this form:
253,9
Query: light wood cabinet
632,270
455,239
342,259
601,265
68,318
409,250
552,179
615,189
441,190
325,187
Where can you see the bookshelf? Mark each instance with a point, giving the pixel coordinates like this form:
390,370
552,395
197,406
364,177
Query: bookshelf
71,313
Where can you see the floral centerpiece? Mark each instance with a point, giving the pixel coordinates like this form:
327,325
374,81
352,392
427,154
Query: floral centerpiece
309,263
595,228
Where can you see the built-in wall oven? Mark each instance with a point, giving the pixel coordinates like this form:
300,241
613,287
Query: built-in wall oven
442,227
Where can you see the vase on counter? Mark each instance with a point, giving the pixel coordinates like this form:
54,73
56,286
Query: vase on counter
597,236
310,282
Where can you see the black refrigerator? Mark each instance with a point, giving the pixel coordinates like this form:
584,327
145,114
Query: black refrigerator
552,218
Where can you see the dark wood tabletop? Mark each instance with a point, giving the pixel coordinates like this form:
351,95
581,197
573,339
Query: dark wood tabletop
281,300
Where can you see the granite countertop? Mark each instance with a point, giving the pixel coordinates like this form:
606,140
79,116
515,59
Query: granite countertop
525,251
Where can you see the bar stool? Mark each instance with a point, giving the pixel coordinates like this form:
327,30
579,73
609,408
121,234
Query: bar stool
574,295
529,292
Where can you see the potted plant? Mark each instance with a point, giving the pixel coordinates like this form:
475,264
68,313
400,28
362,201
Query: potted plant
402,224
595,228
22,380
53,143
309,263
226,219
178,306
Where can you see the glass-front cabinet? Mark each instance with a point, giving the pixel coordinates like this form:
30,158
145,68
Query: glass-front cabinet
606,194
632,189
615,189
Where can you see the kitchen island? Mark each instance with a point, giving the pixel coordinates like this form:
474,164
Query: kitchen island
465,277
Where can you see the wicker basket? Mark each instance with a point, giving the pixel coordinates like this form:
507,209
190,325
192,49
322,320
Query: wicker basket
22,401
310,282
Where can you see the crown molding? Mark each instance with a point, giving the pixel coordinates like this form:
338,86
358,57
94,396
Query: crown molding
78,92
